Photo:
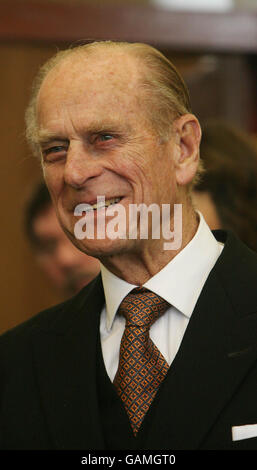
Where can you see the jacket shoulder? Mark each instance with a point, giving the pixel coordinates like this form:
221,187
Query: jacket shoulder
236,269
47,319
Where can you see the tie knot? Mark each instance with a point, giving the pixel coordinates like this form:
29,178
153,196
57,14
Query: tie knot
142,307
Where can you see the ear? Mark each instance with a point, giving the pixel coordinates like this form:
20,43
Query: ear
187,138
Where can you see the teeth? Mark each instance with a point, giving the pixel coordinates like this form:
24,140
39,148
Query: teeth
107,203
98,205
112,201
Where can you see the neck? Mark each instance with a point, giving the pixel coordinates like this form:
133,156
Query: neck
138,265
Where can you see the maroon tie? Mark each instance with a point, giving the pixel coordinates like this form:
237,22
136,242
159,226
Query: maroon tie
142,367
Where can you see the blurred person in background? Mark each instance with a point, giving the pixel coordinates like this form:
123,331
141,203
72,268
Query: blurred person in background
226,193
68,268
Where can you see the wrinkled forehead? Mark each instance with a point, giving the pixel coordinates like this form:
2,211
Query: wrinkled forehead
115,72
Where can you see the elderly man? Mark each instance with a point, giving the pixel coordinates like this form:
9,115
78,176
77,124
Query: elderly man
159,352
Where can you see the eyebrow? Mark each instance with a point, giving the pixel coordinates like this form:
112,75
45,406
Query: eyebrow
44,137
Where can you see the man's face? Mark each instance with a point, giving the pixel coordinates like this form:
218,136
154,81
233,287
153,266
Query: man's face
96,140
67,268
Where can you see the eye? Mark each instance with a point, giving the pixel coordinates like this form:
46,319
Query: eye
55,149
54,153
105,137
47,247
102,140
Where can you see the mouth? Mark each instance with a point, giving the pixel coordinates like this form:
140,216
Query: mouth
102,203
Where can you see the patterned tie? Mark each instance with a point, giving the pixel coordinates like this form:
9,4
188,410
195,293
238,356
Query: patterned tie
142,367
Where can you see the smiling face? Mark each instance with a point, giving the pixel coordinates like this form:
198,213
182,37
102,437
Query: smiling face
96,140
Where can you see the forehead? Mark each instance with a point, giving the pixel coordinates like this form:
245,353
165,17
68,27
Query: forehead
108,78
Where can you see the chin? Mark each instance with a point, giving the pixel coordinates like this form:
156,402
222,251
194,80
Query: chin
104,248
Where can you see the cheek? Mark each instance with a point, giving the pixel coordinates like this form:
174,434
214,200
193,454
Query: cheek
136,166
53,179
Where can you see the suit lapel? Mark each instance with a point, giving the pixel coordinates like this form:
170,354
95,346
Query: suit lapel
65,358
217,350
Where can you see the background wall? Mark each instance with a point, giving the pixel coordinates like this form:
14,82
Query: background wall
23,289
221,83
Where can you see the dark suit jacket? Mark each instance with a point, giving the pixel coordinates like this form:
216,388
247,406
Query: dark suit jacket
48,370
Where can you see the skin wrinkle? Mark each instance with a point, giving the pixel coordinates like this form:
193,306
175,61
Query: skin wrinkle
136,166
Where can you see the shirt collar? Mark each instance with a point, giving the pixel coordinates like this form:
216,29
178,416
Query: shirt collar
180,282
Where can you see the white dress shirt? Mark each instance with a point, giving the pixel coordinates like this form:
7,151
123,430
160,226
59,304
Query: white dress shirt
180,283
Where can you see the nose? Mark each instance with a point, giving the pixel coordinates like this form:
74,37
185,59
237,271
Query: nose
81,165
